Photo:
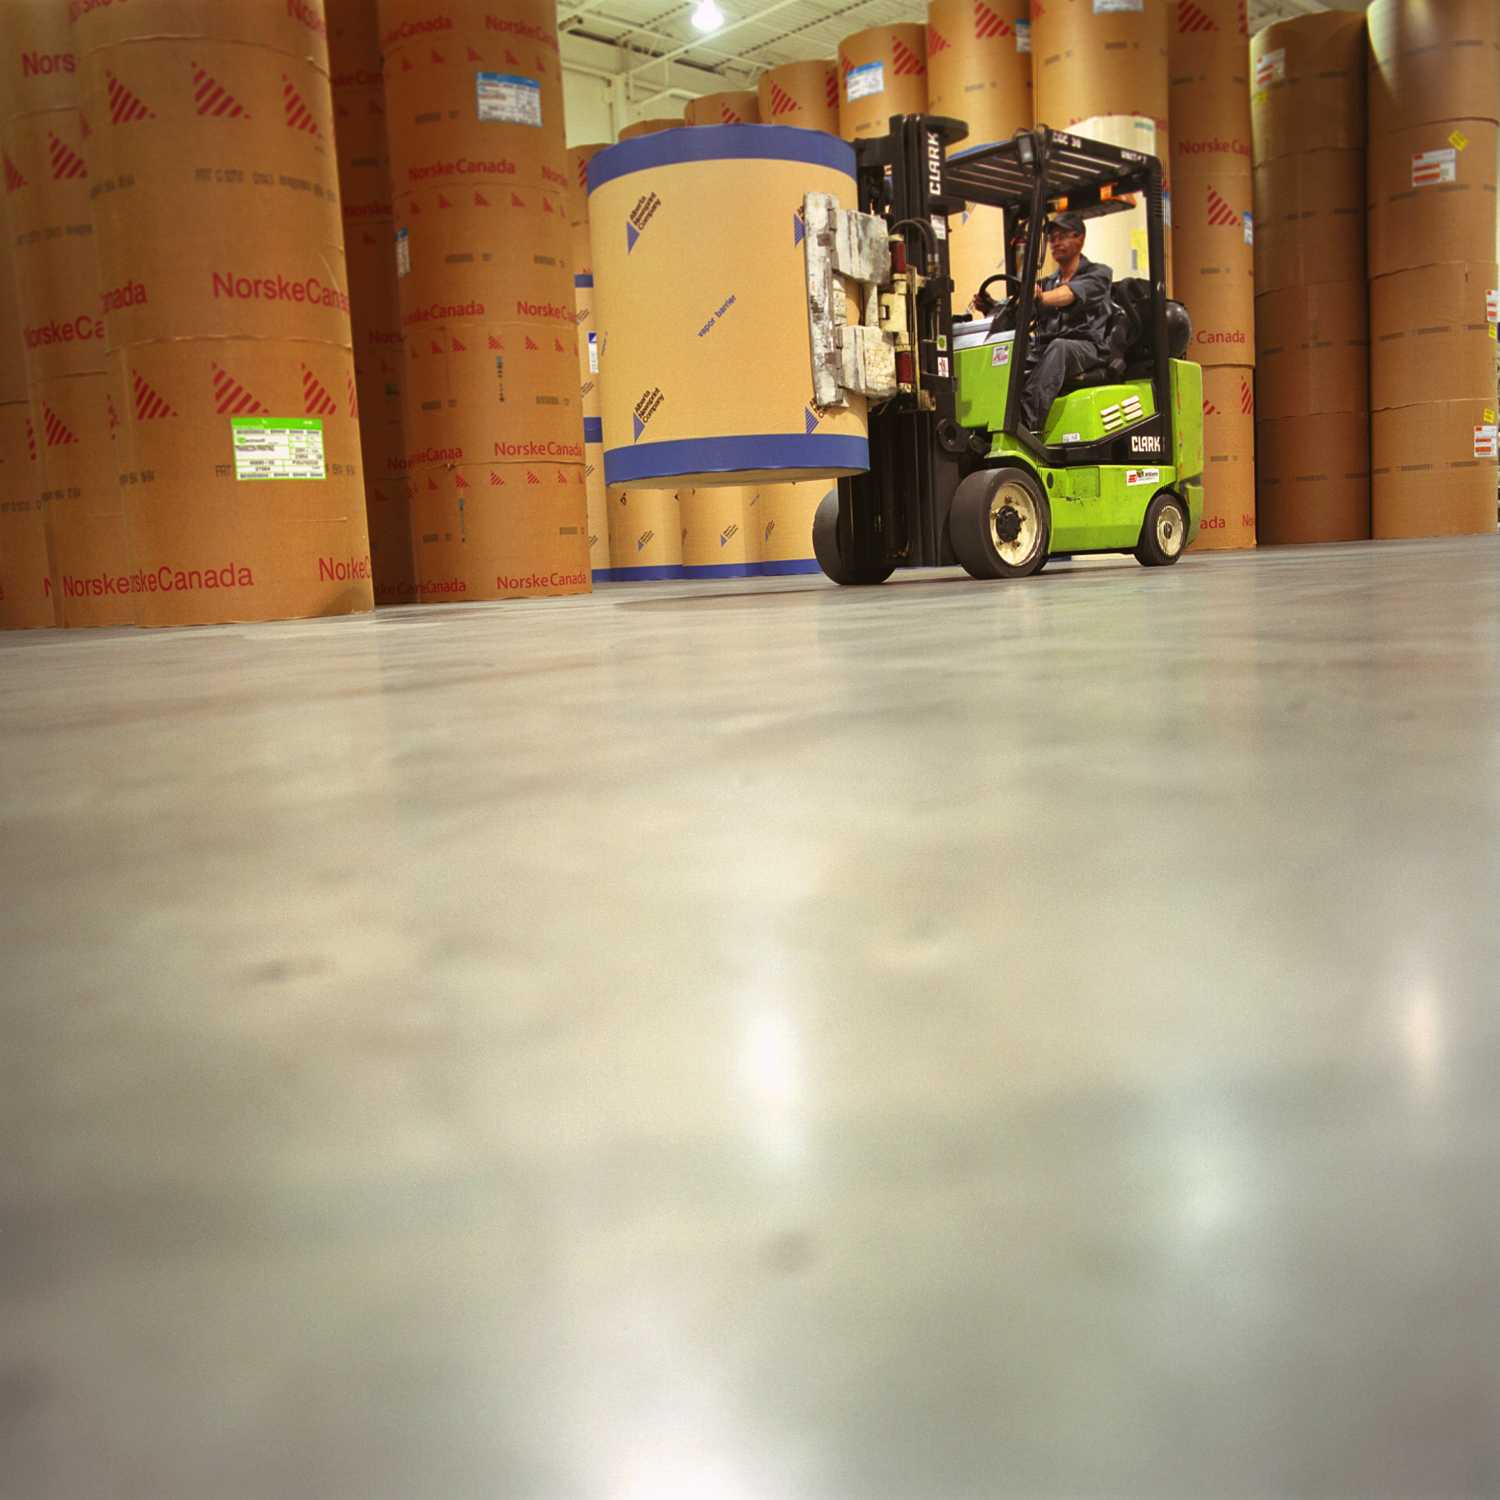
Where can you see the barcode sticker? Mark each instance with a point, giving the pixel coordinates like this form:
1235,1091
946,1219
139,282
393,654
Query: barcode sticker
1487,441
1023,36
1428,168
1270,67
508,99
861,82
593,354
278,447
403,253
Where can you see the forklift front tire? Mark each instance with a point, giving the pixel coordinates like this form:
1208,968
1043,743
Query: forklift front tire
1163,532
1000,524
825,538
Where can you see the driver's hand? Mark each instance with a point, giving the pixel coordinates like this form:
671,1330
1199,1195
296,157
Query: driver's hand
983,303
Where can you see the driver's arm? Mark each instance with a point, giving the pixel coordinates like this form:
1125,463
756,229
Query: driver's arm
1059,296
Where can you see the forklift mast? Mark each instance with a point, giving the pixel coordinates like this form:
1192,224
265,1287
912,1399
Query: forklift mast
918,452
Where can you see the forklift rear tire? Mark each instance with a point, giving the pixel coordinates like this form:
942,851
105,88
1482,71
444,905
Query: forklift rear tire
825,538
1163,532
1000,524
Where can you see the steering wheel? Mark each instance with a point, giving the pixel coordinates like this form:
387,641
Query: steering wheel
989,281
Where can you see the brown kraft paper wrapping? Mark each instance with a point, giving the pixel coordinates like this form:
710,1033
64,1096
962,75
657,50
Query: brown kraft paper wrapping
1209,53
1312,479
1433,62
1312,350
1432,195
1309,219
649,127
883,72
1433,469
482,184
786,517
27,601
1214,264
720,531
237,449
805,94
733,107
1228,459
1090,60
1432,334
1307,85
979,66
645,535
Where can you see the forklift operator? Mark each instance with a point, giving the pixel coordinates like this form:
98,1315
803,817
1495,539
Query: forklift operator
1072,320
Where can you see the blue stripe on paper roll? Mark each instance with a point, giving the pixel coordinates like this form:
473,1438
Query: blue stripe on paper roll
718,570
593,429
721,143
663,573
785,568
728,455
583,281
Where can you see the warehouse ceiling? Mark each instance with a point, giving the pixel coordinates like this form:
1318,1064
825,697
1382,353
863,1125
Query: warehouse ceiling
651,37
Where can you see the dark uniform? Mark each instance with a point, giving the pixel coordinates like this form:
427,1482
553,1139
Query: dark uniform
1066,342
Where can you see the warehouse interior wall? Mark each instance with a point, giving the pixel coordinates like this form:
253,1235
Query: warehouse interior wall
587,101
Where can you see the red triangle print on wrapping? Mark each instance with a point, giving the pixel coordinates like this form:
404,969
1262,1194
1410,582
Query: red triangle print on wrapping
936,41
315,398
443,202
124,107
459,482
55,430
517,201
431,483
511,58
989,23
457,347
547,207
497,343
831,92
1191,18
30,440
531,345
231,399
114,416
730,117
1209,409
474,56
905,62
150,406
480,201
782,102
212,100
14,182
1247,397
1221,213
353,398
558,345
531,478
67,164
298,115
434,346
437,56
495,479
1242,18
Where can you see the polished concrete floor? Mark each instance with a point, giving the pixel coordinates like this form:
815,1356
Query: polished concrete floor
763,1042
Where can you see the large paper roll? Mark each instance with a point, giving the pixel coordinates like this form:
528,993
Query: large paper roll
805,94
884,73
701,299
1099,57
733,107
1307,83
1433,469
979,66
1312,478
1209,55
1433,61
1228,459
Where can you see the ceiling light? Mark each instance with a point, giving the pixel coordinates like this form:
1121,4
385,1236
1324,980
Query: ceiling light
707,16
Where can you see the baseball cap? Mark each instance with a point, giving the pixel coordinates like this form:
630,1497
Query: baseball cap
1067,223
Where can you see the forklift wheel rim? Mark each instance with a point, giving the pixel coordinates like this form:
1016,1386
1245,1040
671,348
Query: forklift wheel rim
1021,503
1171,528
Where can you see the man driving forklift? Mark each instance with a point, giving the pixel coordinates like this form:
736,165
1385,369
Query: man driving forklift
1071,329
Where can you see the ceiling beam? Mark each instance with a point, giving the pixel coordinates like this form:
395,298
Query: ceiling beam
752,19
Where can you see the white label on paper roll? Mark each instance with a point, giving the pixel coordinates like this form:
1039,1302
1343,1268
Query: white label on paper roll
593,354
861,82
1428,168
1487,442
1023,36
1110,7
1492,306
278,447
508,99
403,253
1249,229
1166,209
1270,67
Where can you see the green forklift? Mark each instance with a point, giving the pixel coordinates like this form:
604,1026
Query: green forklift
954,474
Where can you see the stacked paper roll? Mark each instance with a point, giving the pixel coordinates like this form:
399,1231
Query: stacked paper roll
374,301
645,535
493,422
1099,57
720,531
979,66
238,440
1213,227
648,127
1434,161
700,288
786,517
734,107
1312,325
26,598
884,72
68,386
590,405
805,94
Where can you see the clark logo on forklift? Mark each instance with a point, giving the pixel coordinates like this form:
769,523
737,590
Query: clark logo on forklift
934,164
1145,442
